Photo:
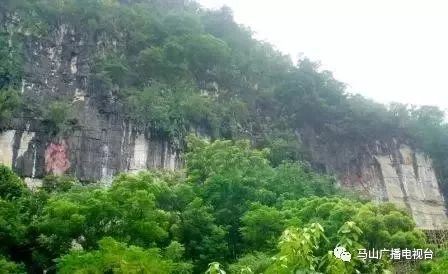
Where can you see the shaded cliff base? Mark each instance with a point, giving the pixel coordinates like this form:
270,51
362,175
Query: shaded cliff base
387,172
88,158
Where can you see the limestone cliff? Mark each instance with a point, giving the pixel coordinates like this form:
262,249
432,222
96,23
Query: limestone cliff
386,170
105,143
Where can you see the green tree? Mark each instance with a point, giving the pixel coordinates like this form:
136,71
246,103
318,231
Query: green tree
10,102
10,61
206,52
261,226
8,267
11,186
204,240
296,248
385,226
296,180
59,118
256,262
437,266
13,227
229,175
115,257
214,268
86,214
52,183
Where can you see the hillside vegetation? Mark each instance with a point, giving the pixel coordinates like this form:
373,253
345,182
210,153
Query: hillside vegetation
176,68
229,210
240,206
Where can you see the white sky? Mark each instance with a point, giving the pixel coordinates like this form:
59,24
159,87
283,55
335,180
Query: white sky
387,50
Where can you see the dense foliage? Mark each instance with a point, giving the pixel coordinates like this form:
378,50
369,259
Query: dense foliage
175,68
230,209
10,77
165,54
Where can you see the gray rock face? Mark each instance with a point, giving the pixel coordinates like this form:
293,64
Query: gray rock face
387,171
105,143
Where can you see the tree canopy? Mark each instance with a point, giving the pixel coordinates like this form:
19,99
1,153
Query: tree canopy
247,201
229,210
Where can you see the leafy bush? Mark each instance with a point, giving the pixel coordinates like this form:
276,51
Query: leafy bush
59,118
229,206
176,68
52,183
115,257
11,61
9,267
10,101
11,186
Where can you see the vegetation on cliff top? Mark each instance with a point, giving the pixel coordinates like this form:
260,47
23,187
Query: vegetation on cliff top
176,68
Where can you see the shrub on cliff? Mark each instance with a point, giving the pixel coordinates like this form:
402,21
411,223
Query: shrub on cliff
59,118
10,101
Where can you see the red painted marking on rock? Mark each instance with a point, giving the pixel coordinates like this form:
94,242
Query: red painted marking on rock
56,158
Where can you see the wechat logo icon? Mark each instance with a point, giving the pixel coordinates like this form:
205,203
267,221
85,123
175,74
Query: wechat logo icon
341,253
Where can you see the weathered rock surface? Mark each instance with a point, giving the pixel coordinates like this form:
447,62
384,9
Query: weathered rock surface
388,170
105,143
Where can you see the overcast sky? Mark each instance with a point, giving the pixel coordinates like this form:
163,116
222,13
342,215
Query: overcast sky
387,50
